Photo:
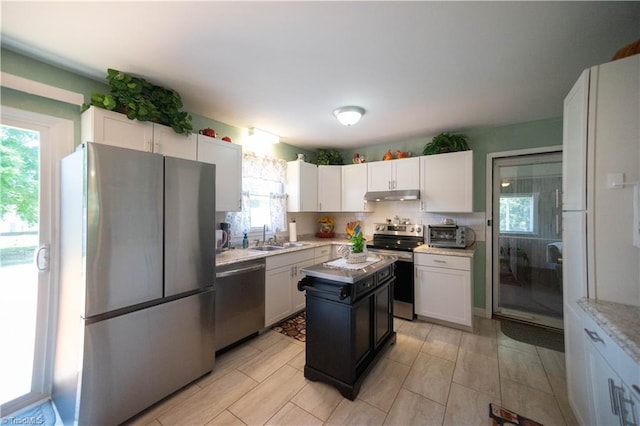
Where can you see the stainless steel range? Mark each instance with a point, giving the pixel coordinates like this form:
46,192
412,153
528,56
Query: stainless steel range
399,241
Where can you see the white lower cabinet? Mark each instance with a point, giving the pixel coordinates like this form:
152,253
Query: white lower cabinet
576,362
323,254
282,298
613,380
443,288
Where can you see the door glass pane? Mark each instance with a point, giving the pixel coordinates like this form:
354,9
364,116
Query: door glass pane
528,240
19,229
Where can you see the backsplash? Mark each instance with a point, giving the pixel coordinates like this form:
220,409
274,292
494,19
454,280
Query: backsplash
307,223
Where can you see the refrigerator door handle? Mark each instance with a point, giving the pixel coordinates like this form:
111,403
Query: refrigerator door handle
239,271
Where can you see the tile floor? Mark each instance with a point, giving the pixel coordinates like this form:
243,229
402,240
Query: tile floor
433,375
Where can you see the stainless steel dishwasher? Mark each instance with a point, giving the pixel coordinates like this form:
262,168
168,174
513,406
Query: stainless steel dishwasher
239,301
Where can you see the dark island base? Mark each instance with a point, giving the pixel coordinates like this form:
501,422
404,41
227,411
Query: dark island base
349,390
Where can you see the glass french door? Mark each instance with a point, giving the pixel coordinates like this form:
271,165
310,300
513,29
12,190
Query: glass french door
527,238
27,163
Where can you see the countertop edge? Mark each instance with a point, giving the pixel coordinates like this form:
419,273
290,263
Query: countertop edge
353,275
621,322
239,255
468,252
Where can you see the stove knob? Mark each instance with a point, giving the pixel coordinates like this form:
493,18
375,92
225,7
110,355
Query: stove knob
419,229
411,229
380,228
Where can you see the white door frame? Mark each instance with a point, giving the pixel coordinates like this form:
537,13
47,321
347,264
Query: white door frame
59,134
488,302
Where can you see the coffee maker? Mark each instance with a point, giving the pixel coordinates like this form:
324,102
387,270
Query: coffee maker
226,229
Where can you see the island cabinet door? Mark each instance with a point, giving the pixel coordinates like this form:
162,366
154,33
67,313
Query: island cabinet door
383,317
329,346
362,329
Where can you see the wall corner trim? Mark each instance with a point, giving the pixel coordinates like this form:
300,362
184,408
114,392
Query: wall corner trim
40,89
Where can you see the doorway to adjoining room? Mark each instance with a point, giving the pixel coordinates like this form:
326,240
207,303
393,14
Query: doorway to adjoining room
527,238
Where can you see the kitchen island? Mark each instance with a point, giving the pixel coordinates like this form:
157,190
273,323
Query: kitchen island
349,320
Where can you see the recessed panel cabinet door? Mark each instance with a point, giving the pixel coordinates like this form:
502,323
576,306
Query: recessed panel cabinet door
112,128
167,142
228,160
447,182
354,186
329,188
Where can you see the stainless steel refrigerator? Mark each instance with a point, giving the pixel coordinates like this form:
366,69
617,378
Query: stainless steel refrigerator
136,300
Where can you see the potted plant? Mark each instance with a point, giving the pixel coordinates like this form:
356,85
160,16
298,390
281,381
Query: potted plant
446,142
140,100
325,157
358,253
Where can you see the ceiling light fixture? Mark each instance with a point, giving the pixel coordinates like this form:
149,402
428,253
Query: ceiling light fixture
348,115
260,136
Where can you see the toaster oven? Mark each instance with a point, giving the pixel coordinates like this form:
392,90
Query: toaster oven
452,236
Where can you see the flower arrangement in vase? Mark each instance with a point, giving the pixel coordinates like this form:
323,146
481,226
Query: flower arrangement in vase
356,238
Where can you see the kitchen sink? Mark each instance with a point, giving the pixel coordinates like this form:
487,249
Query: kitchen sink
267,248
294,244
275,247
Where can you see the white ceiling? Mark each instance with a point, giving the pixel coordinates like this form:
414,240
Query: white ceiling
418,68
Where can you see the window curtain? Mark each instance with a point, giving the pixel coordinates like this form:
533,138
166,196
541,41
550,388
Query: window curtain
278,207
264,176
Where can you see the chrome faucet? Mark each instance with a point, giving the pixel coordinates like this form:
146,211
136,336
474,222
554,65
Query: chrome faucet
264,233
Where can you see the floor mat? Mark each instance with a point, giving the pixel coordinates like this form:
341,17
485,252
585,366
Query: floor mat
42,414
533,335
294,327
502,416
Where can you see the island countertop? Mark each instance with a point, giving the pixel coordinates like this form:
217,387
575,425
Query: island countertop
349,276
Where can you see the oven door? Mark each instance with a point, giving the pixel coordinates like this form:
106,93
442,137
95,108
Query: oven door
403,287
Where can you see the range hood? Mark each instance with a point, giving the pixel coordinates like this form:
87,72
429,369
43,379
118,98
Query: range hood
408,194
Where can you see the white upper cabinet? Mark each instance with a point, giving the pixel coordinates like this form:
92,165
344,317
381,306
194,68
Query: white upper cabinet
228,160
329,188
397,174
302,186
112,128
354,186
167,142
447,182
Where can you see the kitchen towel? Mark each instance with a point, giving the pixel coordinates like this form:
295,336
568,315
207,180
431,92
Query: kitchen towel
293,234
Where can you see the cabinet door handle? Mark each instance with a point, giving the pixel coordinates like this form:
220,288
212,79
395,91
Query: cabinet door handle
594,336
613,398
439,261
557,198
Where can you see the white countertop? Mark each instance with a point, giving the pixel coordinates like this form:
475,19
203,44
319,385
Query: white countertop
240,255
468,252
621,322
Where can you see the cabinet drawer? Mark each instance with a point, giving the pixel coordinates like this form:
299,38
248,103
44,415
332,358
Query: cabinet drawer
442,261
288,258
323,251
622,363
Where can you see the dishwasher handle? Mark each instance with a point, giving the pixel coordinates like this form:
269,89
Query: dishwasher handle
239,271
